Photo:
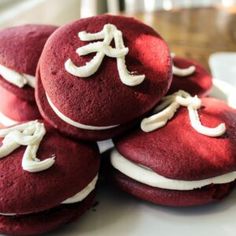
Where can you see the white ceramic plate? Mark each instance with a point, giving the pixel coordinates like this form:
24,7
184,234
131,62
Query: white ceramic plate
222,66
119,214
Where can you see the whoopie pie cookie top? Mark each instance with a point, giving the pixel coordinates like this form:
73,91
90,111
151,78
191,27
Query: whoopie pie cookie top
20,49
187,139
103,71
190,76
41,169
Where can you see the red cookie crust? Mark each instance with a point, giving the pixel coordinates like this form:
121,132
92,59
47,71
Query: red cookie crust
102,99
50,116
205,195
199,83
20,49
177,151
75,167
17,109
35,224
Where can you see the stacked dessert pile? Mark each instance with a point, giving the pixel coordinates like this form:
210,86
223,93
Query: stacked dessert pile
100,78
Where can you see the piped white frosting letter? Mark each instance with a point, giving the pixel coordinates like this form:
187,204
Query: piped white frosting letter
108,33
182,72
28,134
170,104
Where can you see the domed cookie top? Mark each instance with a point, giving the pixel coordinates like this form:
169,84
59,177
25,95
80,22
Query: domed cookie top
37,173
20,49
97,70
185,140
183,155
190,76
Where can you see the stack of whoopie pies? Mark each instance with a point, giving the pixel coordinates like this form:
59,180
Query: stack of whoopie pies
20,49
100,78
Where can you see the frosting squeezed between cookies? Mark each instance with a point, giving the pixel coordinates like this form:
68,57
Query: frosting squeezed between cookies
102,49
83,193
182,72
147,176
28,134
167,109
78,197
75,123
16,78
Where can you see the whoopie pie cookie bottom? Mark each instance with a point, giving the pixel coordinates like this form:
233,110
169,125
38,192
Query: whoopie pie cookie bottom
174,198
38,223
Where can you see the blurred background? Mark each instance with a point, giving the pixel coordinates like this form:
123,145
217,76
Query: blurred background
195,29
13,12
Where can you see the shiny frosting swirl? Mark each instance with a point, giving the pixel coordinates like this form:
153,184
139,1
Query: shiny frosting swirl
167,109
28,134
102,49
182,72
16,78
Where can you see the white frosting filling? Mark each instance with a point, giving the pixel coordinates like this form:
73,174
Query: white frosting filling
8,214
78,197
18,79
74,123
182,72
6,121
83,193
102,49
147,176
167,109
28,134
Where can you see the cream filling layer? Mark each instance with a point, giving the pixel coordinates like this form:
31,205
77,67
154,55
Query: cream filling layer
83,193
16,78
74,123
80,196
149,177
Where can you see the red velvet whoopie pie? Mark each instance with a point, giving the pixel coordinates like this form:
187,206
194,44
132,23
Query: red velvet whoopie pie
98,75
20,49
43,186
190,76
179,161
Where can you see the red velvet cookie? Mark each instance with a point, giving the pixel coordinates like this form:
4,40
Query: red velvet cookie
97,95
180,163
190,76
16,108
20,49
36,224
38,195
